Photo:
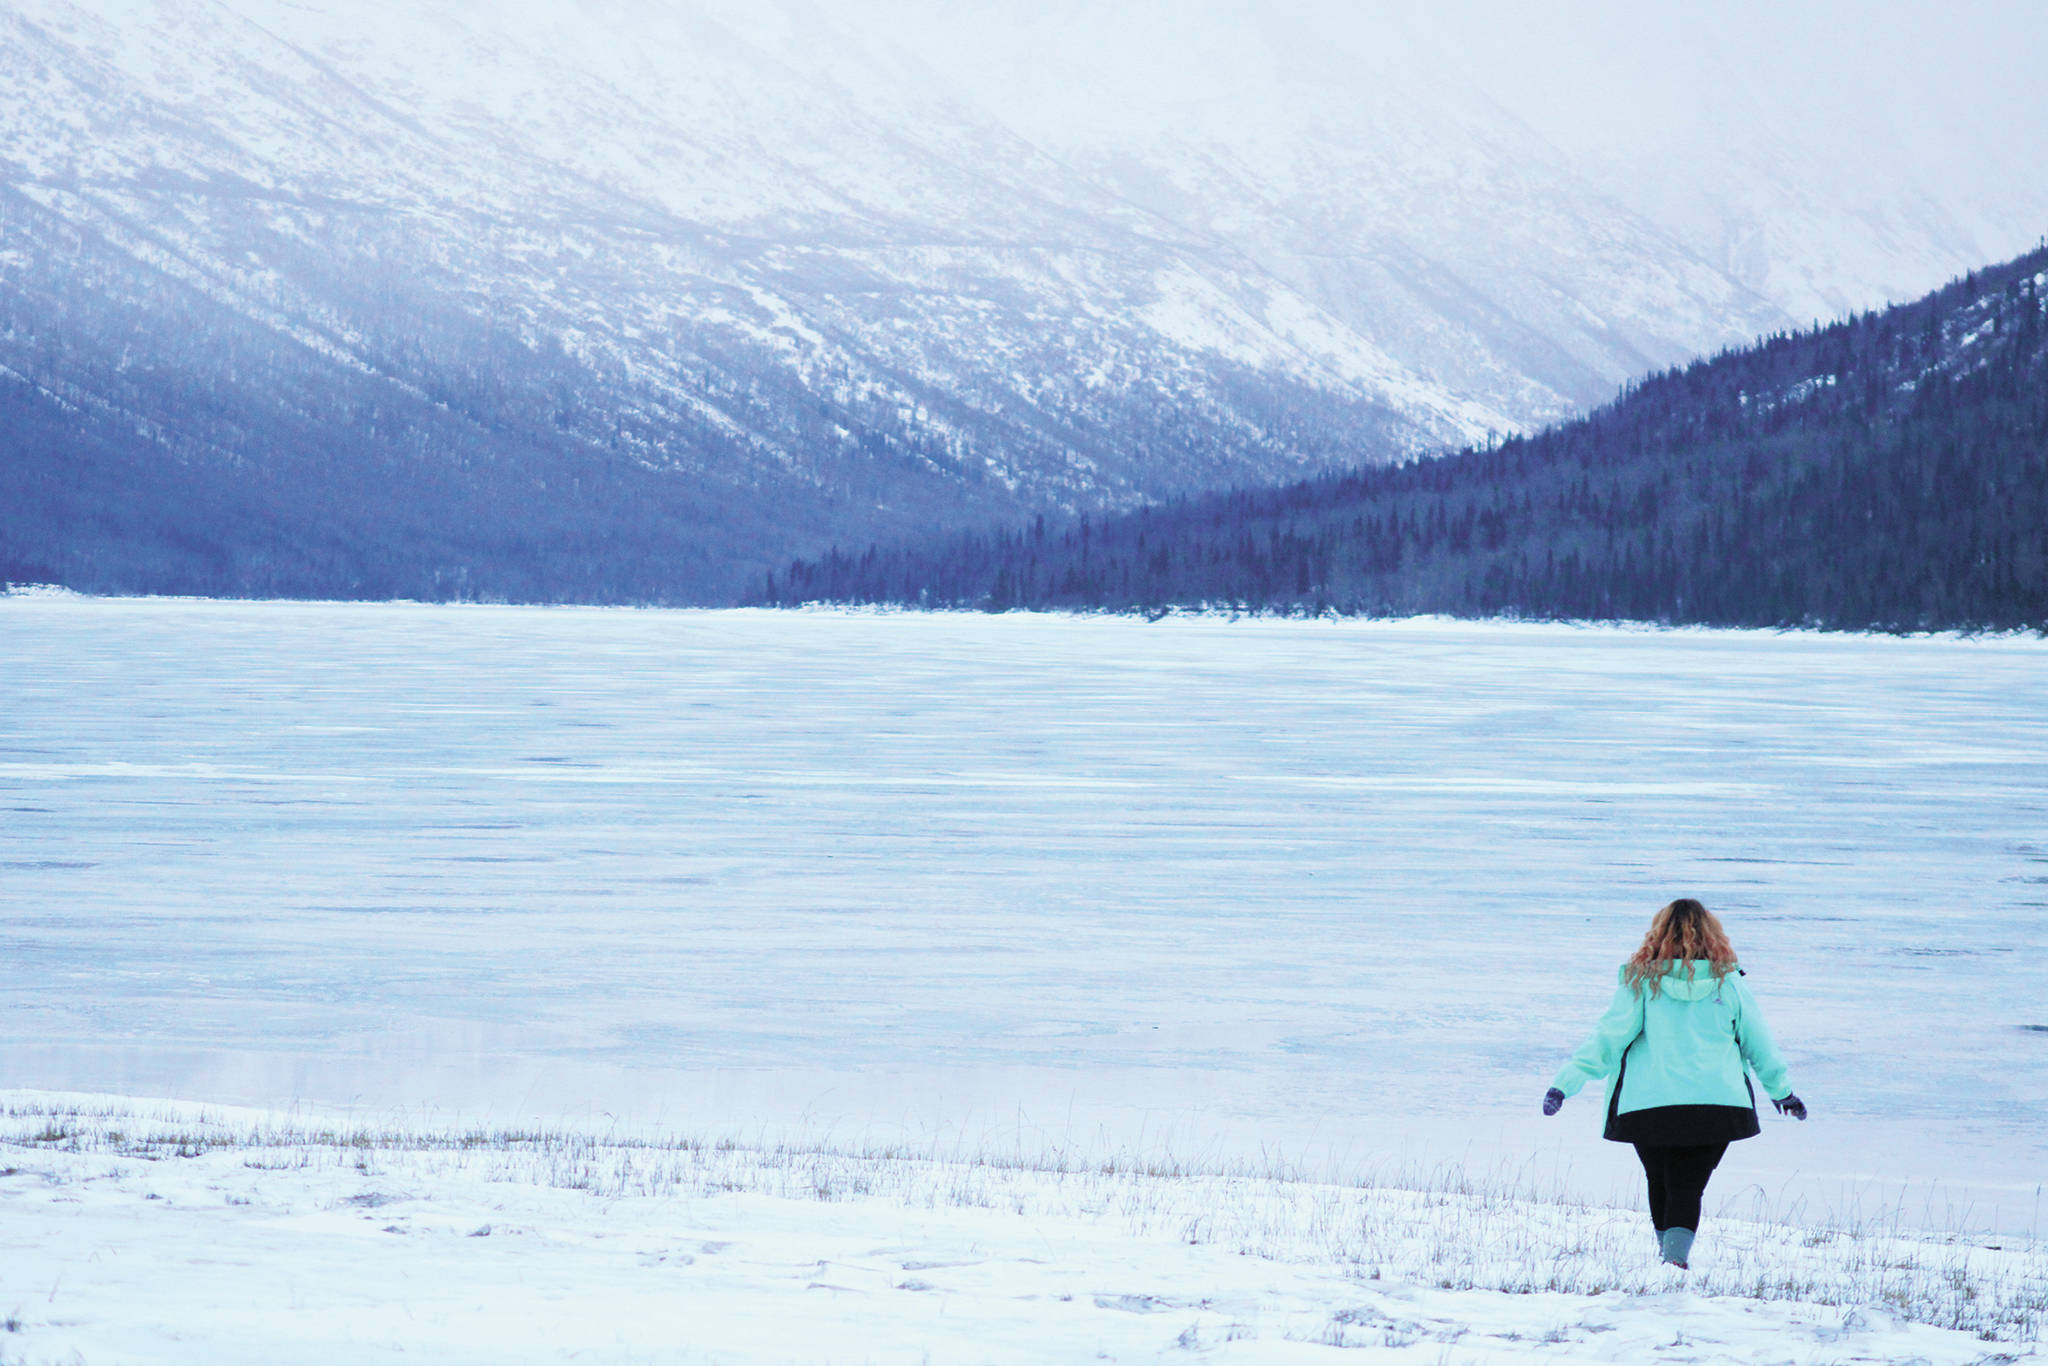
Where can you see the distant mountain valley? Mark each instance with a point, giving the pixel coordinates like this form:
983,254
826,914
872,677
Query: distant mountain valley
634,303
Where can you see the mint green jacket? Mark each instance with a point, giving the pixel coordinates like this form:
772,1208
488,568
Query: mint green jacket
1691,1043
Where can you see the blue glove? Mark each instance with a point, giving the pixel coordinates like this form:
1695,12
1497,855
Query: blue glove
1791,1105
1553,1101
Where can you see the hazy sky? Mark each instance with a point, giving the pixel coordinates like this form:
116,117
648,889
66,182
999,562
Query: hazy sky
1735,124
1591,72
1586,72
1827,153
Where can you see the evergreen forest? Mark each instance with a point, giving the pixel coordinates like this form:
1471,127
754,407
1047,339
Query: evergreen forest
1888,471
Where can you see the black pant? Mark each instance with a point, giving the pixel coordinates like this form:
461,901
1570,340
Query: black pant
1678,1177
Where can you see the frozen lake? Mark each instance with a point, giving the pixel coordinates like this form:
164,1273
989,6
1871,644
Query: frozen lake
1341,891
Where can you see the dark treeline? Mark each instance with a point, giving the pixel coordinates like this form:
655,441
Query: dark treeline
1889,471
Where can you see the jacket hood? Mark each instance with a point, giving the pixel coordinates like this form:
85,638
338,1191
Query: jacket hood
1676,984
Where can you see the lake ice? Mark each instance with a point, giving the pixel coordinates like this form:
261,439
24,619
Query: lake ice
1339,892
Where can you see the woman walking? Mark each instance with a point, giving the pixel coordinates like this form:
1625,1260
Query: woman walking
1680,1040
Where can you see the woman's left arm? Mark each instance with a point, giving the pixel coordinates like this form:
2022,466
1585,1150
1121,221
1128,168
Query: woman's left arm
1759,1049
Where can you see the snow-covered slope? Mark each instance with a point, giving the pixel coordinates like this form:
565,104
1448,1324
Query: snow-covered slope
178,1233
1345,157
663,190
831,272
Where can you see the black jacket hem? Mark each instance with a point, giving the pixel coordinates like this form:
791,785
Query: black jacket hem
1680,1126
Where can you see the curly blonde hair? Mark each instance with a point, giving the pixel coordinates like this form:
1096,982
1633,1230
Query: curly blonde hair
1684,931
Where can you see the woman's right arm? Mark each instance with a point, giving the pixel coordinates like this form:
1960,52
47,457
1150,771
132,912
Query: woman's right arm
1601,1054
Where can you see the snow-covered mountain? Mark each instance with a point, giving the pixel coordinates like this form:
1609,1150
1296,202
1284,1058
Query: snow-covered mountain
767,272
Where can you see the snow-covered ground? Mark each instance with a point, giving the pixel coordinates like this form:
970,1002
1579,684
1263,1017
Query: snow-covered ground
162,1233
1331,898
